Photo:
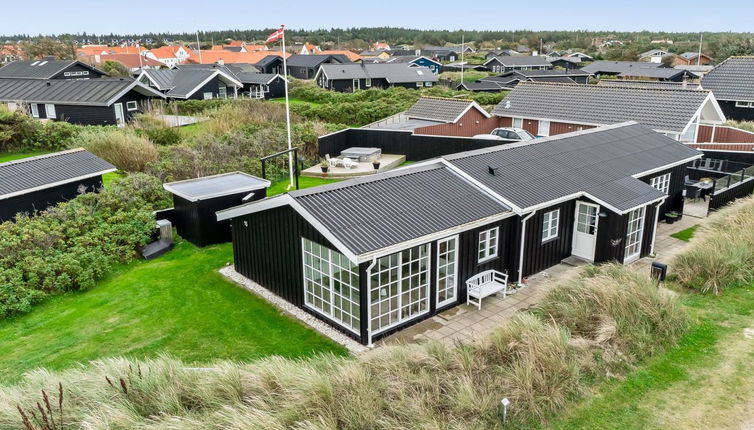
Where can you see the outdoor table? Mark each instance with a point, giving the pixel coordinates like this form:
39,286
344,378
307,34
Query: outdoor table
362,154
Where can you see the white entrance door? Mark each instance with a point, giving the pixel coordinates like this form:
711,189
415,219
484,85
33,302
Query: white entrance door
447,270
120,119
585,230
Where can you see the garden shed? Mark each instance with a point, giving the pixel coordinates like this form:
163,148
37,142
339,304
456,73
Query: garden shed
195,202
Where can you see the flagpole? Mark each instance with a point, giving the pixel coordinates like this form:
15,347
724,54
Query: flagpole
463,42
287,112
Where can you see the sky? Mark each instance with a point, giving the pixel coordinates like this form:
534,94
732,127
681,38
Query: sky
142,16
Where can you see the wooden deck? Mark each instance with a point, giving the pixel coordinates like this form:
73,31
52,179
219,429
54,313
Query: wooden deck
387,162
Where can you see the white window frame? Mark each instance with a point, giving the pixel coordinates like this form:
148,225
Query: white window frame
428,84
331,279
222,92
35,110
518,123
419,84
50,111
634,234
447,271
208,95
368,82
132,106
393,273
489,242
745,104
661,183
550,225
543,129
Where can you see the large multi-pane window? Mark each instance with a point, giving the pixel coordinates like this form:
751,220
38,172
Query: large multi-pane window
634,234
399,288
331,284
661,182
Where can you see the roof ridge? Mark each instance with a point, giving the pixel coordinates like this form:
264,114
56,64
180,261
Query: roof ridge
40,157
686,90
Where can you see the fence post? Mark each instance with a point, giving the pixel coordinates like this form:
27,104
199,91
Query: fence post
264,175
729,176
743,174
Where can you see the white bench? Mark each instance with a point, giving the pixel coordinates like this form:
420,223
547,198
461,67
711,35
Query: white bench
485,284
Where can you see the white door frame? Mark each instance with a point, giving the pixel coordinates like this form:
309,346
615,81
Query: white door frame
640,242
356,84
447,301
120,116
585,236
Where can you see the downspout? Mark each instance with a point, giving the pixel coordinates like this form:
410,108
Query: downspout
521,256
369,301
654,229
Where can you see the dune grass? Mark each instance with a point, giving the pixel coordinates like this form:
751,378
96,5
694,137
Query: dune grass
177,304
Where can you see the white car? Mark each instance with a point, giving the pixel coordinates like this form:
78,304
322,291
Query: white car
507,135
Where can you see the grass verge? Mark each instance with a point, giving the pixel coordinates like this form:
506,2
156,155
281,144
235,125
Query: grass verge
685,235
11,156
281,186
178,304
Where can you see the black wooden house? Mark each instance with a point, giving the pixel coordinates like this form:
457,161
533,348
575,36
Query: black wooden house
50,68
33,184
373,255
106,101
363,76
195,202
306,66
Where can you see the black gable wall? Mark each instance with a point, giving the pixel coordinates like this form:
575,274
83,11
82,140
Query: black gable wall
540,255
40,200
674,202
77,68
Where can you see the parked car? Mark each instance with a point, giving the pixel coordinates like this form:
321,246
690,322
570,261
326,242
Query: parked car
507,134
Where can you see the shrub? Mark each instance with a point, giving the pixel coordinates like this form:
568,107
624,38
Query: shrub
722,252
538,360
71,245
156,130
196,107
122,148
19,131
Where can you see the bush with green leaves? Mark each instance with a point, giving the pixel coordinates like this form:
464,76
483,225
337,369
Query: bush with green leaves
19,131
70,246
156,130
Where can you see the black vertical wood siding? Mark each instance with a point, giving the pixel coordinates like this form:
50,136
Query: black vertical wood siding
197,221
611,237
539,256
721,199
674,202
42,199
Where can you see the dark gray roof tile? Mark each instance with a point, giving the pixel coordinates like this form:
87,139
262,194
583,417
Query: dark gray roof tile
732,80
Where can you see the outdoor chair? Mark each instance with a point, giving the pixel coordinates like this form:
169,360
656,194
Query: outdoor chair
334,162
348,163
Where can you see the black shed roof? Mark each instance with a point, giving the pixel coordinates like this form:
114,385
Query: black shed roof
37,173
40,69
93,92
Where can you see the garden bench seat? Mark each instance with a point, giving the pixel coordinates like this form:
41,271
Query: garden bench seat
485,284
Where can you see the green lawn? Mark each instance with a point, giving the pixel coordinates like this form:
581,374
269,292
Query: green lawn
685,235
177,304
281,186
293,101
10,156
703,382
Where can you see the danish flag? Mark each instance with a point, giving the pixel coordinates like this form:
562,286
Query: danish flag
277,35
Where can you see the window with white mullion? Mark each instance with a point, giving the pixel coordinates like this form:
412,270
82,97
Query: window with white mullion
331,285
550,224
634,234
399,288
661,183
488,241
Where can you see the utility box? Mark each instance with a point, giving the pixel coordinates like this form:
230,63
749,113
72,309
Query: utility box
658,271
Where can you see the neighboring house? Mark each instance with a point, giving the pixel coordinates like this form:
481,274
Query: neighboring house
654,55
169,55
50,68
352,77
228,57
504,64
638,70
132,62
564,62
255,84
440,54
435,66
270,64
309,49
440,117
34,184
352,56
732,82
404,242
192,84
105,101
306,66
546,109
380,46
501,53
480,86
692,59
374,55
669,85
583,58
511,79
9,53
